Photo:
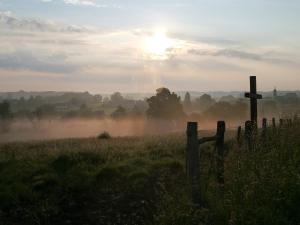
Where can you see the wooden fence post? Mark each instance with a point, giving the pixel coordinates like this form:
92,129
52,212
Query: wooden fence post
273,122
192,160
264,128
239,132
220,152
280,122
248,133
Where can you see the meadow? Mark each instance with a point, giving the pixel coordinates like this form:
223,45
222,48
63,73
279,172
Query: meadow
142,180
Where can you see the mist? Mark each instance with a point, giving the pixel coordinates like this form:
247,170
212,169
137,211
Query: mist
49,129
24,130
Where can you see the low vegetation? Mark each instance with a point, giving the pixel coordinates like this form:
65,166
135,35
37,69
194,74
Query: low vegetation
142,181
104,135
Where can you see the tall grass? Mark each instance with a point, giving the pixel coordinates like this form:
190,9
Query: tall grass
263,184
142,180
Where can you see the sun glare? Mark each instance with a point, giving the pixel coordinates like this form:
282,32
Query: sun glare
158,44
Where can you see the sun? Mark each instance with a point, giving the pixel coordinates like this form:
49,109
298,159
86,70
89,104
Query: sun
158,44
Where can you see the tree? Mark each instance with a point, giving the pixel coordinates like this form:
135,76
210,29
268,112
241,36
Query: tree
187,100
119,113
5,112
98,98
165,105
5,116
45,111
227,111
116,98
204,102
136,111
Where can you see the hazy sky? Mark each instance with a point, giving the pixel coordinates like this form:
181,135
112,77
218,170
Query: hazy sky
138,46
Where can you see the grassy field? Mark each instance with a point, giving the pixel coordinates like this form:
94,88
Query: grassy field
141,180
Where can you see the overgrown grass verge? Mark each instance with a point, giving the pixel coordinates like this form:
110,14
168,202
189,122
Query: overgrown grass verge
137,181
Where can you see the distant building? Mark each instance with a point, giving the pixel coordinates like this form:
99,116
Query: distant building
275,93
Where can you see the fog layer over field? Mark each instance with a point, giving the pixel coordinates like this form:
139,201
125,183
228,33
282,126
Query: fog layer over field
73,128
24,130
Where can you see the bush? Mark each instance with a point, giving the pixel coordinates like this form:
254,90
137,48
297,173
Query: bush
104,135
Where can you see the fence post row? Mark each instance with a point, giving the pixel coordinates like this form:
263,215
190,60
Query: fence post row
193,143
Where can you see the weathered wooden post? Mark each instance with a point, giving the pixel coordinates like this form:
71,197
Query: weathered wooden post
239,132
221,127
273,122
253,100
264,129
192,159
281,122
248,133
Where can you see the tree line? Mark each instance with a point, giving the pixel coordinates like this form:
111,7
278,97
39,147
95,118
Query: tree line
164,105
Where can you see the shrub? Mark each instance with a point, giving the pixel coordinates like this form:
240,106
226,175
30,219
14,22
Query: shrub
104,135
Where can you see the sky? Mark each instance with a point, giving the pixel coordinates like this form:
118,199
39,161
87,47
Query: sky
103,46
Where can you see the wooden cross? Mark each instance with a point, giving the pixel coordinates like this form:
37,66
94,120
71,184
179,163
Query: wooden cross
253,99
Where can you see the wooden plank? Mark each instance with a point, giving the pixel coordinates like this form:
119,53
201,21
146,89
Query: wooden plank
193,161
221,127
206,139
273,122
280,122
192,150
239,133
248,133
252,95
253,101
264,129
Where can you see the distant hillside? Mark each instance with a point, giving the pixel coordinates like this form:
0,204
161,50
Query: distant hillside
28,94
214,94
135,96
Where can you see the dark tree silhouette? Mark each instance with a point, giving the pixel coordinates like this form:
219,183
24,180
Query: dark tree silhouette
45,111
116,98
227,111
204,102
187,103
165,105
5,116
5,112
119,113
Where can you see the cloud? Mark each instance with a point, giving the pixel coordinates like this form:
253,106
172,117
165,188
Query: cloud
205,39
27,61
77,2
93,3
244,55
81,2
9,21
226,53
97,56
